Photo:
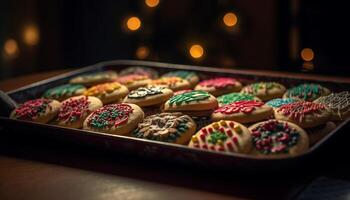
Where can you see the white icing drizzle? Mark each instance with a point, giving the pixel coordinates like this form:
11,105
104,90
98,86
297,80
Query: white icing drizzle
336,101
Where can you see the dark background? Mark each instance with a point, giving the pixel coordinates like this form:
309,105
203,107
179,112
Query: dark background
270,34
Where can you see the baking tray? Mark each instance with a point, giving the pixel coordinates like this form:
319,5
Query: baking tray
161,150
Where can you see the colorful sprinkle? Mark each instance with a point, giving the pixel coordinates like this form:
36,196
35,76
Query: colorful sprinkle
73,109
32,109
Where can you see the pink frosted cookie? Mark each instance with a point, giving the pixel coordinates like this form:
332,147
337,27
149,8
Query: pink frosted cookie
219,86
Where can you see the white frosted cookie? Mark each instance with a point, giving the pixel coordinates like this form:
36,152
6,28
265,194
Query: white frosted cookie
65,91
306,92
304,114
149,96
339,103
37,110
245,111
117,119
223,136
265,90
219,86
190,76
193,103
277,139
167,127
94,78
174,83
108,92
74,110
133,81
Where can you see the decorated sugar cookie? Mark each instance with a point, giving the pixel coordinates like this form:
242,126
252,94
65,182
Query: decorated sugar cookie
167,127
143,71
117,119
37,110
276,103
234,97
133,81
223,136
245,111
339,103
63,92
190,76
306,92
108,92
174,83
74,110
304,114
275,138
194,103
219,86
265,90
94,78
149,96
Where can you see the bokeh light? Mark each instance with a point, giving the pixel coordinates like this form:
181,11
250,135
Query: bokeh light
142,52
11,48
230,19
307,54
31,35
152,3
196,51
133,23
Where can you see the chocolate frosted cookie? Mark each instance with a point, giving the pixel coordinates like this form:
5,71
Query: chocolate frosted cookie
275,139
166,127
306,92
265,90
149,96
37,110
63,92
219,86
234,97
339,103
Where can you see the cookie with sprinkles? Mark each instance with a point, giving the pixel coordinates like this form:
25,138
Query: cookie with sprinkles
234,97
174,83
37,110
190,76
276,139
245,111
74,110
339,103
94,78
117,119
63,92
223,136
265,90
193,103
144,71
307,92
167,127
304,114
219,86
133,81
149,96
108,92
276,103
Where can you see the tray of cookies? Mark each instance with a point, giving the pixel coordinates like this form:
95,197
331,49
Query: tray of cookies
190,114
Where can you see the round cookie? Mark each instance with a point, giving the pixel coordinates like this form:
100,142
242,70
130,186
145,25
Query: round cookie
182,91
174,83
194,103
339,103
167,127
133,81
278,139
276,103
223,136
306,92
219,86
95,78
149,96
108,92
190,76
74,110
234,97
265,90
304,114
117,119
246,111
37,110
63,92
144,71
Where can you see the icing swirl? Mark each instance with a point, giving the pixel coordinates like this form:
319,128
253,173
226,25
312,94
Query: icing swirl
187,97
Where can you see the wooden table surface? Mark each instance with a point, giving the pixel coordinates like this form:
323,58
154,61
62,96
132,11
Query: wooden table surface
51,171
